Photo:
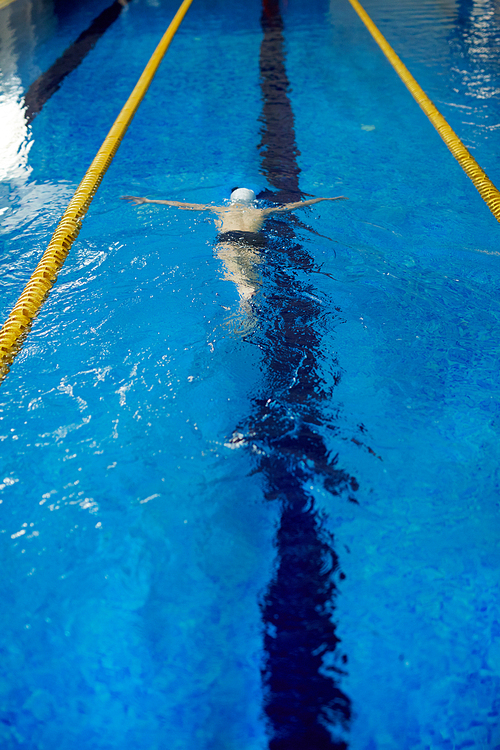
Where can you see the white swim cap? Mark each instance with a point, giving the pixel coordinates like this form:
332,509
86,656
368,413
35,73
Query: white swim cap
242,195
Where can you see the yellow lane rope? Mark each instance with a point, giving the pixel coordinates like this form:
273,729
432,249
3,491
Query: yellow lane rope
482,182
18,323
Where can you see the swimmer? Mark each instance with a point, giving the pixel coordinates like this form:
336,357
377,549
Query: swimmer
239,237
241,215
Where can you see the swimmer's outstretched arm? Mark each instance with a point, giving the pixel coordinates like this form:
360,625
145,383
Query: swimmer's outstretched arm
300,204
184,206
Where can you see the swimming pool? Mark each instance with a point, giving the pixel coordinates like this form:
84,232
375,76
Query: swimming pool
273,527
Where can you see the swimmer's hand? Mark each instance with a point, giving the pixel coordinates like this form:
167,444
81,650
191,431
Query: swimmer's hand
134,199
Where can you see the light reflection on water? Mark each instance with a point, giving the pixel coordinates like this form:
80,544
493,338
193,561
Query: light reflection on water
15,140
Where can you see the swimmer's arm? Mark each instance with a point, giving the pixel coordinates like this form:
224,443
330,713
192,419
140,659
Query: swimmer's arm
299,204
184,206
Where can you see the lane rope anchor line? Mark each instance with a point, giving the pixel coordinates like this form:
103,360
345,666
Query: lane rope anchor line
487,190
18,323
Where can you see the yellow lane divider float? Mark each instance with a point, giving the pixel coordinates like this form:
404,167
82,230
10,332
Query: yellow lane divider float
482,182
17,325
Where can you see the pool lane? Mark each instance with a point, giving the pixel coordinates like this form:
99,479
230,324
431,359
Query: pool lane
305,704
481,181
278,147
50,81
18,324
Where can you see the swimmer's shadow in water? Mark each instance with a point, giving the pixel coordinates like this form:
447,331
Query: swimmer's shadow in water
287,448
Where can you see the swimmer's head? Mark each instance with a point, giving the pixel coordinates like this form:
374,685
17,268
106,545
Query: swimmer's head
242,195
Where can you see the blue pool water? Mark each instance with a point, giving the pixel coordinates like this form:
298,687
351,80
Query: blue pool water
266,526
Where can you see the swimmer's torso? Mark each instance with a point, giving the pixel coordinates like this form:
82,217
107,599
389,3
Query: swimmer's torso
239,218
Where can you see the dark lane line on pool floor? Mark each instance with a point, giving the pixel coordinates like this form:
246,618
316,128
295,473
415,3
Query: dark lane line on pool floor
49,82
304,704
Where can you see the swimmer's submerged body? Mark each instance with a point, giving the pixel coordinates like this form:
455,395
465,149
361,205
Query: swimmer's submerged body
239,237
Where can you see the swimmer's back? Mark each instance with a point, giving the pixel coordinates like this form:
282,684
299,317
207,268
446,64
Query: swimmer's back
238,218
